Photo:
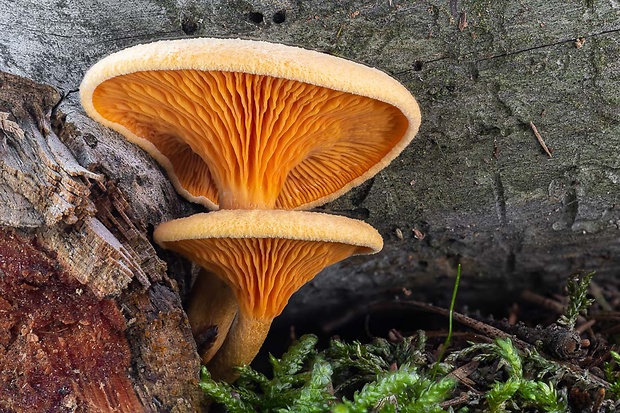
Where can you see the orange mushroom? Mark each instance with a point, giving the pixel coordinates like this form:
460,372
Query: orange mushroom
264,256
241,124
211,309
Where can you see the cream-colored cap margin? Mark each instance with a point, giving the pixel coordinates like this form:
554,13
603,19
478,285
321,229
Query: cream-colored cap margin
256,57
256,223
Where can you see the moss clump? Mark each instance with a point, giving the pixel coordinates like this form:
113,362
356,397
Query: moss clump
355,377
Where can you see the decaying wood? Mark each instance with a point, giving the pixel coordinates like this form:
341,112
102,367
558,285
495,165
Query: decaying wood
86,303
37,172
61,347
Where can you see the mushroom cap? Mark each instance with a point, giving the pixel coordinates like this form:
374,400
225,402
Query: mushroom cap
267,255
249,124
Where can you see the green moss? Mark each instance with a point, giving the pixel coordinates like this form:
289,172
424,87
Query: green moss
400,376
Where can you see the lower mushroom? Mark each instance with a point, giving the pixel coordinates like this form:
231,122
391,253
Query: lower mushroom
264,256
211,310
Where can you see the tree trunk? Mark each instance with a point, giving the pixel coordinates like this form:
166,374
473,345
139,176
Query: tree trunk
475,186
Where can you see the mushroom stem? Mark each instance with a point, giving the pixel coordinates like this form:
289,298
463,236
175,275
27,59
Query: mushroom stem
247,196
211,311
243,342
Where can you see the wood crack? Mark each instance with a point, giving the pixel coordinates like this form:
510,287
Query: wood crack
500,199
515,52
557,43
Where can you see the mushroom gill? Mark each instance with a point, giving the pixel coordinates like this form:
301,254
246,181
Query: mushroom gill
249,141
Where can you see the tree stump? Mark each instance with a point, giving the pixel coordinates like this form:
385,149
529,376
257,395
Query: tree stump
89,320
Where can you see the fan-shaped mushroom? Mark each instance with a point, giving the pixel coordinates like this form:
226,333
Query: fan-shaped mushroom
241,124
264,256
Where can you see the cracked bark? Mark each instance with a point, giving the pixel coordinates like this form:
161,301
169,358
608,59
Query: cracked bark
475,181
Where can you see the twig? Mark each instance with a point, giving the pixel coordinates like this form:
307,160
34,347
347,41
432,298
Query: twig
463,398
597,293
540,139
543,301
462,374
584,326
472,323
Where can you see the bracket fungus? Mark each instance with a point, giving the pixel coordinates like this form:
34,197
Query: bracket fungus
241,124
264,256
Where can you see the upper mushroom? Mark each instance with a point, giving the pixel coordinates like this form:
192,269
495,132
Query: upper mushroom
243,124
